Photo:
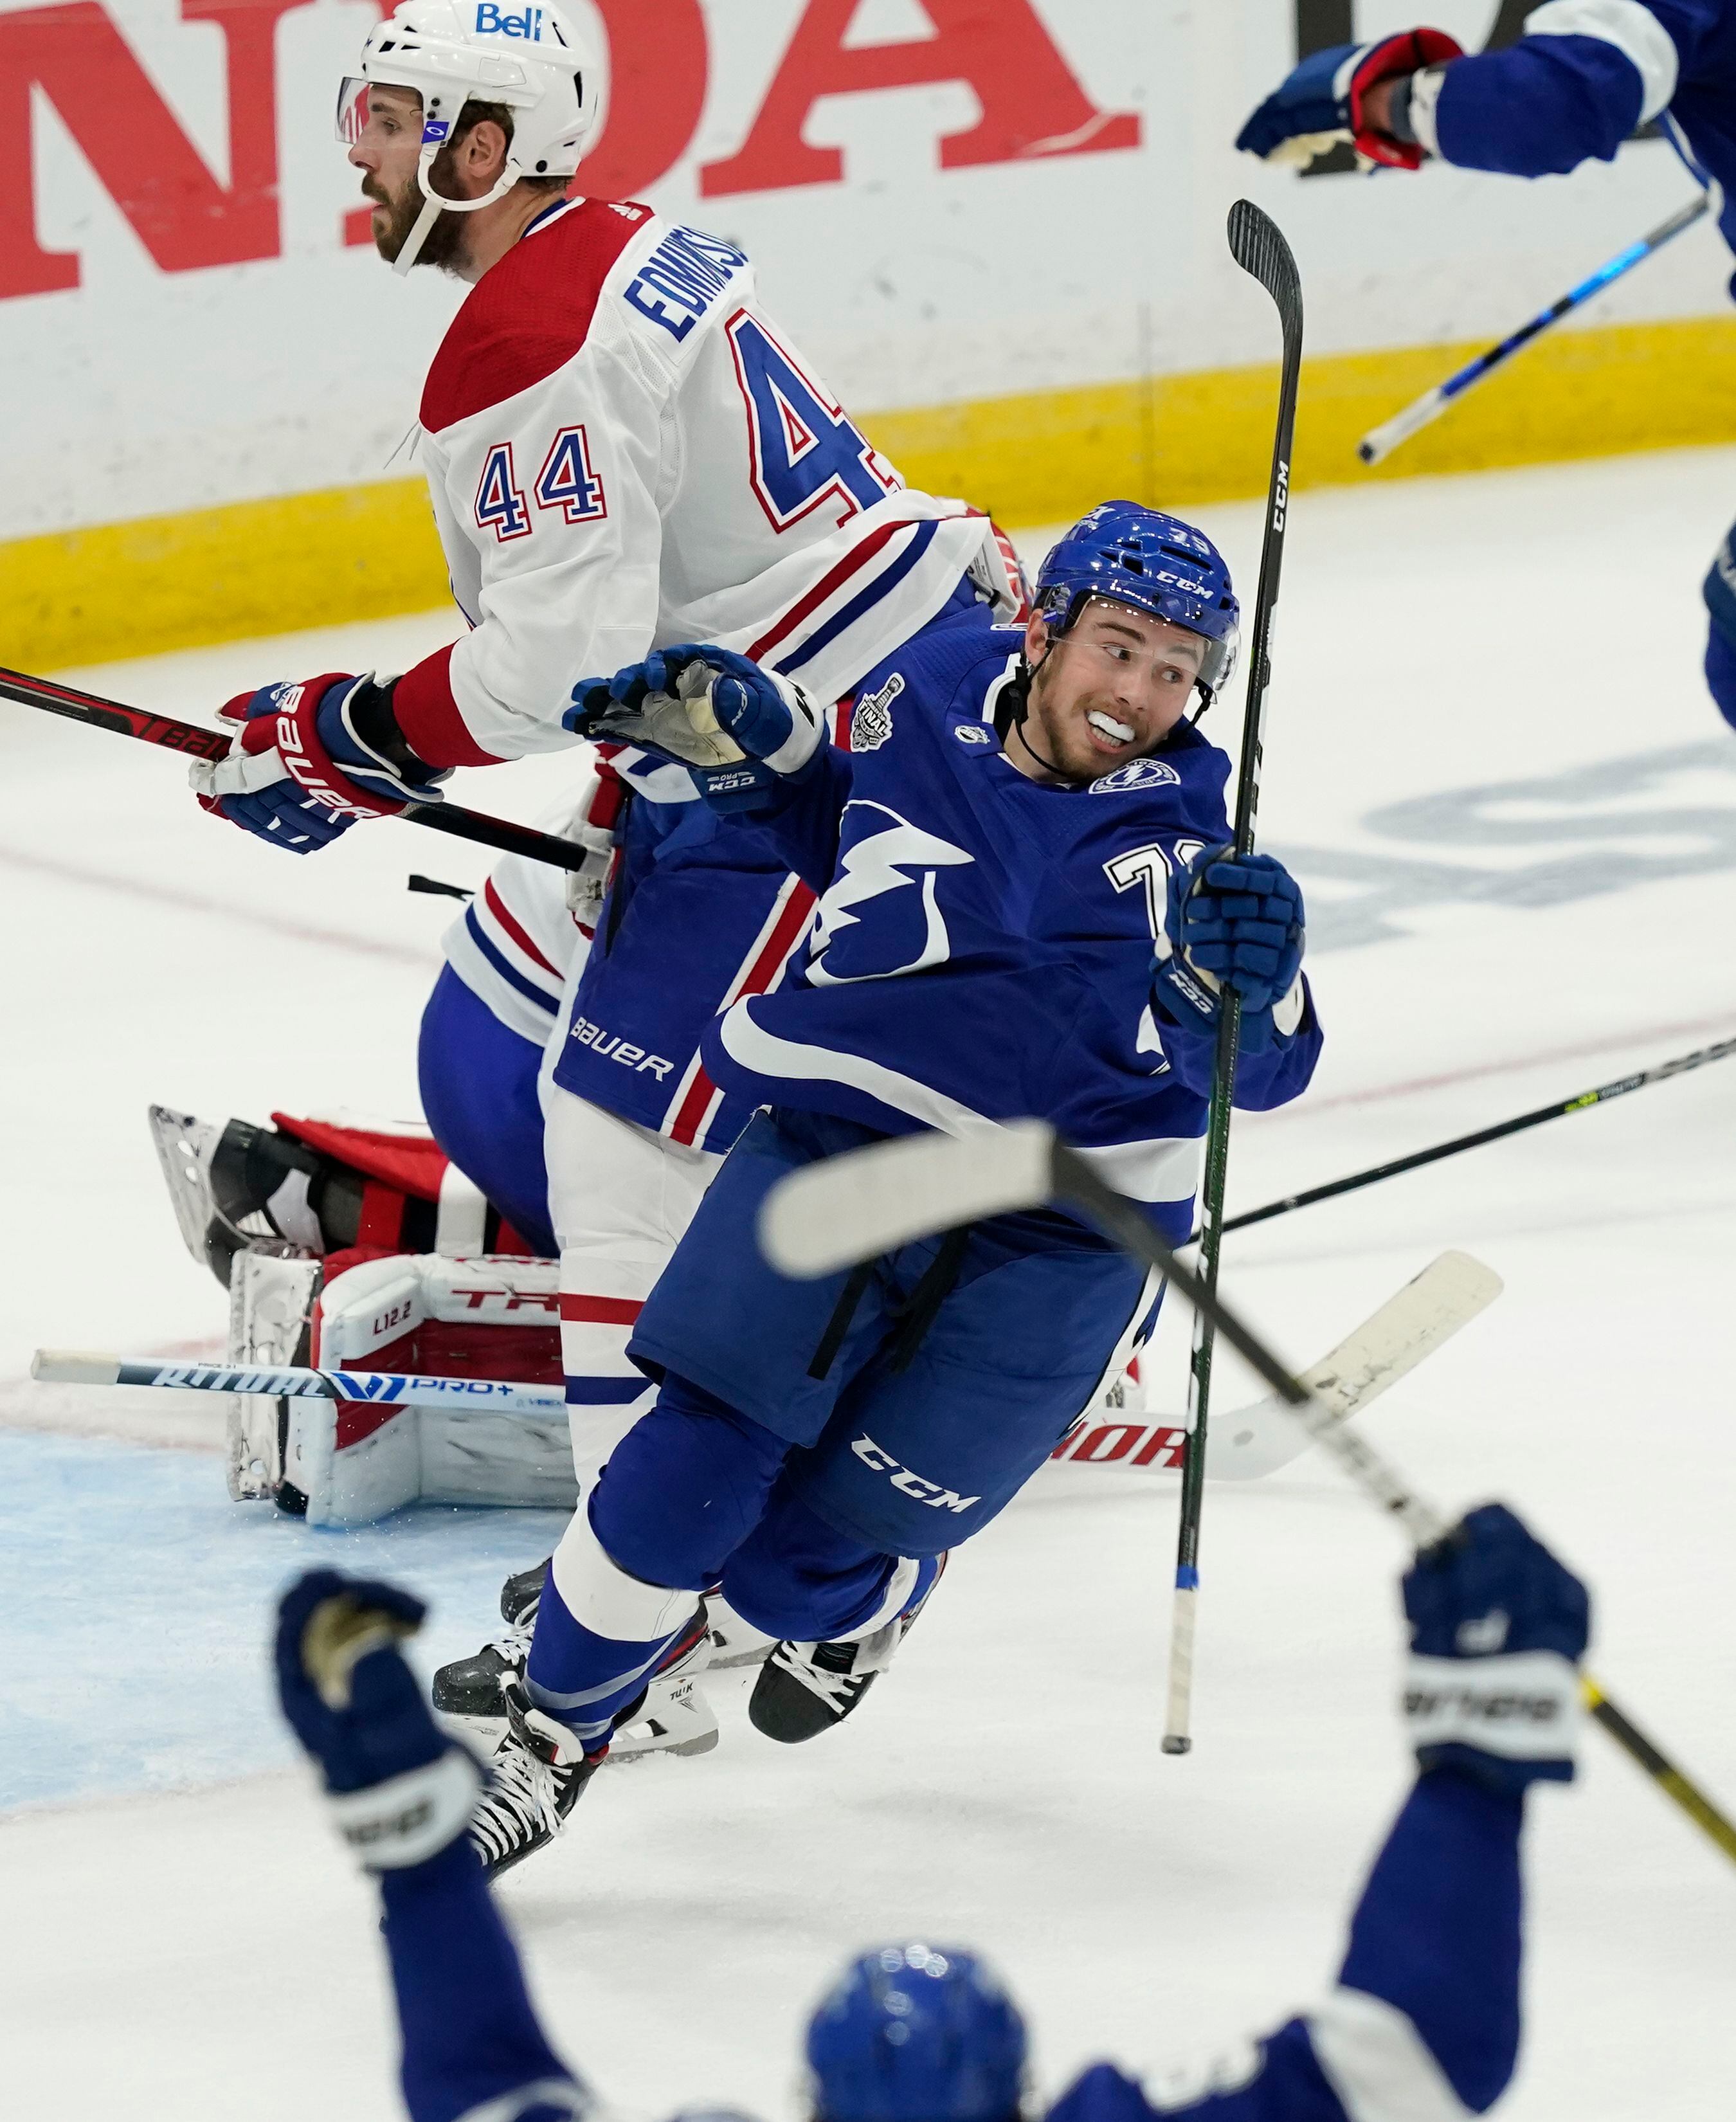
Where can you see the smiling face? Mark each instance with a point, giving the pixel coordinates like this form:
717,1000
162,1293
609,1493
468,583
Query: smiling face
1108,689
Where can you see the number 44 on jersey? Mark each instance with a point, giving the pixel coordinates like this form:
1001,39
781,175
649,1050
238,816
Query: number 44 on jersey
567,485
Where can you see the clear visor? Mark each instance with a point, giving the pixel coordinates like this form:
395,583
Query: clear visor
356,106
352,108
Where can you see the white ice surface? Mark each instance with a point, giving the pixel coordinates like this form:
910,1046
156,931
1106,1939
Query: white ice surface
201,1951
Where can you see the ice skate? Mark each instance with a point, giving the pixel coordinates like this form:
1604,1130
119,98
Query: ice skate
530,1790
806,1688
674,1717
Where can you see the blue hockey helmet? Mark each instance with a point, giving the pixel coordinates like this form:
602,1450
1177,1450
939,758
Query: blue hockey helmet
913,2033
1157,564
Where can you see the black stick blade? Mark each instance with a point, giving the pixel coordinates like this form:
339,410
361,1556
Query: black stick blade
1258,246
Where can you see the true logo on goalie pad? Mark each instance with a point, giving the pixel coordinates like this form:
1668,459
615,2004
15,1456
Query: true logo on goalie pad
871,724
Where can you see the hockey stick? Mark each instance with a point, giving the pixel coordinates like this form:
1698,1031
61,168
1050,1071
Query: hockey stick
1259,249
854,1208
197,742
1380,442
1249,1444
1681,1066
76,1367
1253,1442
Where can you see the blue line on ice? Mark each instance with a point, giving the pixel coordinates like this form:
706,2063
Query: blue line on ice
139,1598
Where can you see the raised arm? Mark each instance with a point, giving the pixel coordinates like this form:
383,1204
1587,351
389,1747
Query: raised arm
401,1793
1583,77
1424,2021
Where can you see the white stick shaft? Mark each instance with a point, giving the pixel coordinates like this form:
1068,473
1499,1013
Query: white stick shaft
1381,442
1178,1717
293,1381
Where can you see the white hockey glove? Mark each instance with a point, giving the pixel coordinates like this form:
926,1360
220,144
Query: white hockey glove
737,728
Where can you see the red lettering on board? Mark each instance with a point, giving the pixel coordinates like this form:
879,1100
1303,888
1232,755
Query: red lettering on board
658,62
1033,104
133,141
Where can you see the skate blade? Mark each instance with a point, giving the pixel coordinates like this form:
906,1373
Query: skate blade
722,1660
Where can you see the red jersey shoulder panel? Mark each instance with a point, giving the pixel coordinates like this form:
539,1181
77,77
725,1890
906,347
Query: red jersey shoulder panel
529,313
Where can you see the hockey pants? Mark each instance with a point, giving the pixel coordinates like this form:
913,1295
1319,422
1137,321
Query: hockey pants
808,1451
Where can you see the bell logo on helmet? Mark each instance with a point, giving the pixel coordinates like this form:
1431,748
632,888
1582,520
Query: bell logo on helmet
491,20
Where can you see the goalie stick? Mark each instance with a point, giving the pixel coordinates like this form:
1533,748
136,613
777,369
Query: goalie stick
77,1367
1259,249
195,741
1247,1445
848,1209
1253,1442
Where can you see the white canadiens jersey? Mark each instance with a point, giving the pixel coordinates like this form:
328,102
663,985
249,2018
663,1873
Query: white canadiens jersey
624,452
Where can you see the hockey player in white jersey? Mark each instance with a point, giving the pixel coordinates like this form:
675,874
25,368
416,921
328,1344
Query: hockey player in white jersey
622,450
1423,2021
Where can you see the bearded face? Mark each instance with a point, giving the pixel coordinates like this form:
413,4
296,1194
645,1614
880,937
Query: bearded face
397,204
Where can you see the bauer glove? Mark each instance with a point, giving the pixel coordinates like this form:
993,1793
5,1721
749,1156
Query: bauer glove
309,759
1498,1627
1233,921
1320,104
399,1789
738,728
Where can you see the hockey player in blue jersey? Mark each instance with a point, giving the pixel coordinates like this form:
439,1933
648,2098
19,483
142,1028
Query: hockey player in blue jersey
1585,75
1423,2021
1026,906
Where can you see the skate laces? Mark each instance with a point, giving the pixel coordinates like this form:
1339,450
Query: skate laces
523,1794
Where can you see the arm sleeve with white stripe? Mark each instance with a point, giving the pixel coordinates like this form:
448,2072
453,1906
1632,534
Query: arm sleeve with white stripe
1423,2026
1584,76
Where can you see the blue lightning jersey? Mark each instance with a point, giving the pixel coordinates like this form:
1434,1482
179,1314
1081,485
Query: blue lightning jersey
1424,2021
1584,75
982,946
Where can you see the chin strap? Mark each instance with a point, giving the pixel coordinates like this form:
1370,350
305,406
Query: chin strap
435,133
1018,699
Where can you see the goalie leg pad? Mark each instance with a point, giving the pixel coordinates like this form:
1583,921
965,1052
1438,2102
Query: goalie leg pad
492,1318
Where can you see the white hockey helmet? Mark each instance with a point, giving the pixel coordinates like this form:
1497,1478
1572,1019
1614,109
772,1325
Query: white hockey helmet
524,54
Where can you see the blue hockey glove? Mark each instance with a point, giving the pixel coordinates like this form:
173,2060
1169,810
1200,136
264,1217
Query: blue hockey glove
1231,921
399,1788
1498,1627
1721,647
299,773
1321,102
736,727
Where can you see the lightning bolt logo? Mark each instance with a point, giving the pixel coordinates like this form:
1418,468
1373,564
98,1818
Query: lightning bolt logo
873,867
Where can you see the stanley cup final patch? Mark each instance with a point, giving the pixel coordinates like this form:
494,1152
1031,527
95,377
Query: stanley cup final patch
871,723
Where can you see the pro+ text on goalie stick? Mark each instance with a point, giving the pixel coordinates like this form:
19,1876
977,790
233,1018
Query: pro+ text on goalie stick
1380,442
79,1366
195,741
1682,1065
854,1208
1259,249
